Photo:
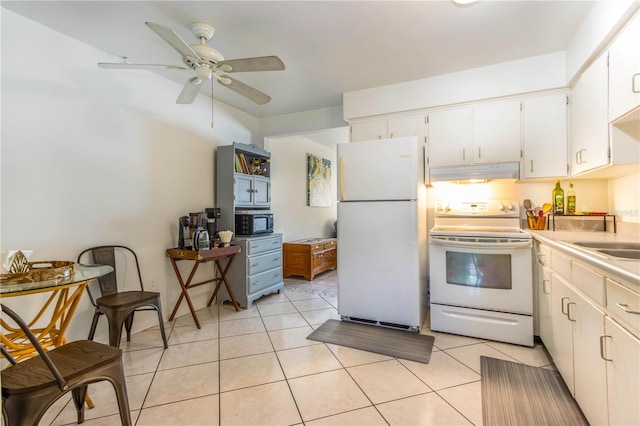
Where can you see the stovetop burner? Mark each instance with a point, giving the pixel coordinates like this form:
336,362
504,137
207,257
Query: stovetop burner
490,218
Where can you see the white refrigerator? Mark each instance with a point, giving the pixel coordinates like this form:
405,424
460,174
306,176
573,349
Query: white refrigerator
382,233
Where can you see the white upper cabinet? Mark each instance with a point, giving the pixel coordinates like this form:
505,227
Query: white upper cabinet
408,125
393,127
496,132
450,138
594,143
369,130
545,136
589,145
624,71
481,133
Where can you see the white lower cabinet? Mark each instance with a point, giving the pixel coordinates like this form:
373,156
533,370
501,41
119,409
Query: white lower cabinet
545,329
590,376
597,355
622,350
577,326
562,330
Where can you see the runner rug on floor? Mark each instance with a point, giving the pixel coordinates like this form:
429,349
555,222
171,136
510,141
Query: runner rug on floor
386,341
518,394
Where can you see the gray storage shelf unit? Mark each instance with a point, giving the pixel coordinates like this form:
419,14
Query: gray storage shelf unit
241,191
257,269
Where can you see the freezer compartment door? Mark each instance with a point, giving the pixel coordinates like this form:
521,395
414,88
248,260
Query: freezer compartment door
384,169
378,262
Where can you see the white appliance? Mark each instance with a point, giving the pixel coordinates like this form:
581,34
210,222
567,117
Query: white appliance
382,233
481,272
502,172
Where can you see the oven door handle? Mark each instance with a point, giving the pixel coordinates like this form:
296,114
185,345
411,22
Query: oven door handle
480,244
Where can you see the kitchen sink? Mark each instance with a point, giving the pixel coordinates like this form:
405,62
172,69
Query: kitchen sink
609,245
612,249
626,254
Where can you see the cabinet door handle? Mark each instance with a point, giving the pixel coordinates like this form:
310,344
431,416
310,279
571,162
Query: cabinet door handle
579,158
625,308
602,344
531,165
464,153
569,311
479,152
635,88
544,287
562,306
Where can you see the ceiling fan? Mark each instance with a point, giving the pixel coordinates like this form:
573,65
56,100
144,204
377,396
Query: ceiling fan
207,62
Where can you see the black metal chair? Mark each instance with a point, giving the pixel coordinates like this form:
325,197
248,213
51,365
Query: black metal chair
120,306
30,387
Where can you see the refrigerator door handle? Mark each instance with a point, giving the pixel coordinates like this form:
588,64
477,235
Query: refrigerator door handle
341,174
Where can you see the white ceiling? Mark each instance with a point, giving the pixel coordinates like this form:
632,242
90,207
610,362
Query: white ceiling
329,47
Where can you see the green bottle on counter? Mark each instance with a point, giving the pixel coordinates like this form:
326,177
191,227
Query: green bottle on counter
571,200
558,199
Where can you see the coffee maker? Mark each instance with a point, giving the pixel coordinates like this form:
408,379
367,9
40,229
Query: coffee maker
183,223
213,214
199,231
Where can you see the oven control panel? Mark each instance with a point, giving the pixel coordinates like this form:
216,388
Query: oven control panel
478,208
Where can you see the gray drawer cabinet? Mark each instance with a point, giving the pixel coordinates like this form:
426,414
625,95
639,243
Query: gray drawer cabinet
256,270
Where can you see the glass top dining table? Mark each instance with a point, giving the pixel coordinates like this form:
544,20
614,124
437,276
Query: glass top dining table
51,322
84,273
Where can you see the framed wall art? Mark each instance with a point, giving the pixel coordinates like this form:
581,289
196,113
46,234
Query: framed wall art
318,181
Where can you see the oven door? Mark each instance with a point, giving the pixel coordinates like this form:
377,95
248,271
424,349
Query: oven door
482,272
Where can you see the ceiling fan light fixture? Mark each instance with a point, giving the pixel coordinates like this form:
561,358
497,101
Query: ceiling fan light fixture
204,72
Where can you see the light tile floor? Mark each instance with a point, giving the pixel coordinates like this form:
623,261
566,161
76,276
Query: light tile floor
256,367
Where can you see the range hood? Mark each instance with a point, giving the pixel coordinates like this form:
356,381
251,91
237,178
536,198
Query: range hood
499,172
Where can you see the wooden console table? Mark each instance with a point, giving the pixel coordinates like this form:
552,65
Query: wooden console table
310,256
199,257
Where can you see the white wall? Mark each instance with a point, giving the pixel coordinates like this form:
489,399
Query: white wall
509,78
292,217
302,122
624,198
605,19
93,156
591,195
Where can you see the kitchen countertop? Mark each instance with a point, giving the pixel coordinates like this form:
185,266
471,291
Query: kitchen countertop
625,269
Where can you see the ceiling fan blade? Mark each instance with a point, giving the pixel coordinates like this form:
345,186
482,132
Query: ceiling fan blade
189,91
173,39
263,63
124,65
245,90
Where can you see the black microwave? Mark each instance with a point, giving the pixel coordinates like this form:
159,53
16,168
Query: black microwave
254,223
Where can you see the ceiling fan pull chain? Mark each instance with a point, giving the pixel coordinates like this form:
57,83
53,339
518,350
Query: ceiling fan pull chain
212,104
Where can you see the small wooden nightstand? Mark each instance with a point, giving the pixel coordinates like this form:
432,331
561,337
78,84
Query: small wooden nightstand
310,256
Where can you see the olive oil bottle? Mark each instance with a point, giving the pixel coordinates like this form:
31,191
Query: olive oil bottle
558,199
571,200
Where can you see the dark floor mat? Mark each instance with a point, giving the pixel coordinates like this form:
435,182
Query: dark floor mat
398,343
518,394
